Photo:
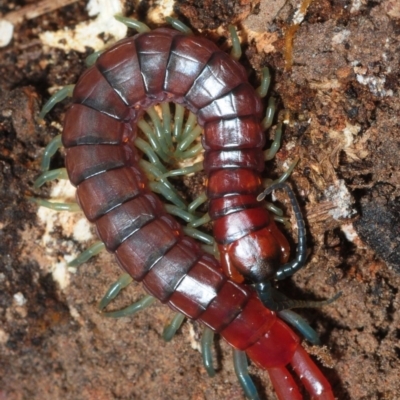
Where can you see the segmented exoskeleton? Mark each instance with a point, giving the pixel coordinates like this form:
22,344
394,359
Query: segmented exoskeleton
102,161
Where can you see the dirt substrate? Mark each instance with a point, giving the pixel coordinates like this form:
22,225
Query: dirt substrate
341,98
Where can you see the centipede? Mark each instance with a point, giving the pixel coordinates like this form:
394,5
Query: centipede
229,291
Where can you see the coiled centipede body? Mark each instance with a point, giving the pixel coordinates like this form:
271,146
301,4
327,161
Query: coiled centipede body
110,98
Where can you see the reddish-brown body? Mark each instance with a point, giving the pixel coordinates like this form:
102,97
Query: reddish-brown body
149,244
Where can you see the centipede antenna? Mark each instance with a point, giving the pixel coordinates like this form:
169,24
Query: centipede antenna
139,27
299,323
242,373
59,173
179,26
207,340
86,255
262,90
236,51
113,291
57,97
140,305
276,301
49,151
72,207
290,268
170,330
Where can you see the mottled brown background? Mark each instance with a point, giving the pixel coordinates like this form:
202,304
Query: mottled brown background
343,98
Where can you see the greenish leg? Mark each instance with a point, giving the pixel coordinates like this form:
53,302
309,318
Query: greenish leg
140,305
178,212
299,323
92,58
193,152
139,27
173,326
178,120
90,252
190,123
262,90
179,26
187,140
184,171
196,234
274,209
113,291
150,153
242,373
287,173
62,94
196,203
201,221
73,207
158,128
169,195
162,185
49,152
152,138
236,51
166,121
269,154
269,114
59,173
207,341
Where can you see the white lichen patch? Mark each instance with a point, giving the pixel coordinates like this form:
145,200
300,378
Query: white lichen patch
341,200
375,84
6,32
19,299
160,10
87,34
62,224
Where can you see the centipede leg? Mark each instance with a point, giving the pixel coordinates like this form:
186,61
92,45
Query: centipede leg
269,114
59,173
262,90
242,373
314,381
86,255
49,152
170,330
123,281
72,207
298,322
269,154
236,51
140,27
62,94
178,25
140,305
207,340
